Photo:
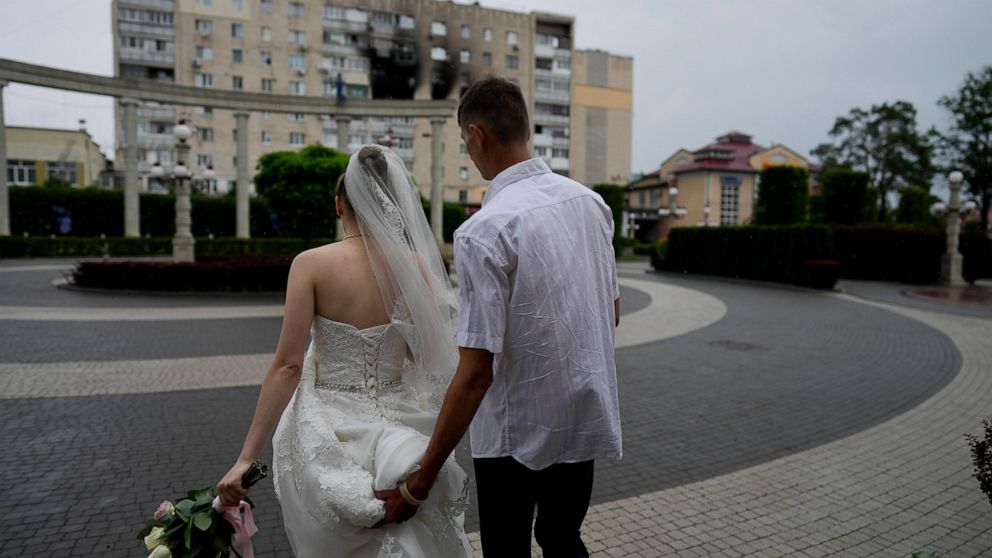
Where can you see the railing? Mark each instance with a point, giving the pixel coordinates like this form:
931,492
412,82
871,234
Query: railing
561,142
342,25
164,113
563,53
546,95
137,55
155,140
166,31
552,119
559,163
167,5
542,140
340,49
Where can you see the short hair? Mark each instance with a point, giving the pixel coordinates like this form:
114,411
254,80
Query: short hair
499,104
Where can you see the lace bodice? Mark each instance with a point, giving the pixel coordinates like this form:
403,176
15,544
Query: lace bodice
357,360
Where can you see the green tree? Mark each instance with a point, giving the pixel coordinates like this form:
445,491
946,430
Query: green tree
884,143
914,206
968,144
782,196
846,198
614,197
299,186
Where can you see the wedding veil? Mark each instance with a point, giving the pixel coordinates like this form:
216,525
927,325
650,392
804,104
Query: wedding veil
408,267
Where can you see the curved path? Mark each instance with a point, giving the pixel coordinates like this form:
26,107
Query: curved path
731,395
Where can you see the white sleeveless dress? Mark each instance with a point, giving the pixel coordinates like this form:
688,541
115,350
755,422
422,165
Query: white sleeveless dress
353,427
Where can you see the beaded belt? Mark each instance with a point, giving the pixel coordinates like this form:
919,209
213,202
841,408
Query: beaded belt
358,388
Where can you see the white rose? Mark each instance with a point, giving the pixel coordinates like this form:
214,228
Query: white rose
161,551
153,539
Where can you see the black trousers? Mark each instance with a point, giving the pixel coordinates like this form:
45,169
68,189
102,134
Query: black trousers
508,493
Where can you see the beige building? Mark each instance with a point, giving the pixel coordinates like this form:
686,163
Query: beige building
36,155
714,185
402,49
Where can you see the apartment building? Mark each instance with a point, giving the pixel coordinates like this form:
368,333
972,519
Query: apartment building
580,102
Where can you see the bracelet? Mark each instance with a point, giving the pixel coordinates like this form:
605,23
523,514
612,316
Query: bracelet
410,498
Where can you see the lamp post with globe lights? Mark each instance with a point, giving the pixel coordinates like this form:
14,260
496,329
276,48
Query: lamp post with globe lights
673,211
182,241
950,269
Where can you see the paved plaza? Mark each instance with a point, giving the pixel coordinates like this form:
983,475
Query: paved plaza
759,420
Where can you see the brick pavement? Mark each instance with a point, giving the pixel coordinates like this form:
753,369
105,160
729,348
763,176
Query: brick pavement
751,390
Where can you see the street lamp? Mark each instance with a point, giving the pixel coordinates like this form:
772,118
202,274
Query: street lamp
673,211
950,269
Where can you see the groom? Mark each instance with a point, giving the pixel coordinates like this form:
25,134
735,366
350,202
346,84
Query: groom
539,304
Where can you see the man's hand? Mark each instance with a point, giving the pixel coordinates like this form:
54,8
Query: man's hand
397,509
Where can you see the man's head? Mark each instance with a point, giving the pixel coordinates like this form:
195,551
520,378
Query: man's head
494,125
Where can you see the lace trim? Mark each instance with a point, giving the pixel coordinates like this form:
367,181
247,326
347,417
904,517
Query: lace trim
360,388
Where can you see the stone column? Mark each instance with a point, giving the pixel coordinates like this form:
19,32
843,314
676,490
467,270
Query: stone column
182,241
950,269
4,194
243,229
132,215
437,190
343,122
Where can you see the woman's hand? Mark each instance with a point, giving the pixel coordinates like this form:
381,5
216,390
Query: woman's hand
229,488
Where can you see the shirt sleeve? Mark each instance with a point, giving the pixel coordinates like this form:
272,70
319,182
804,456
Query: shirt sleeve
483,297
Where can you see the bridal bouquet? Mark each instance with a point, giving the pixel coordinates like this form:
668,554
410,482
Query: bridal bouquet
199,526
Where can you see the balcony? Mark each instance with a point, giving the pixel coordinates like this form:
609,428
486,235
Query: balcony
563,53
147,57
552,119
162,113
405,153
154,141
559,164
158,31
343,50
565,142
544,51
342,25
554,96
165,5
543,140
406,130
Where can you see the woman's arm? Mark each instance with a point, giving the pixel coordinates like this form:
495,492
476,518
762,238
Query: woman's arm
282,378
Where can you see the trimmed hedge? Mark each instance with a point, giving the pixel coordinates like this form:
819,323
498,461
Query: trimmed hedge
766,253
216,274
886,252
67,246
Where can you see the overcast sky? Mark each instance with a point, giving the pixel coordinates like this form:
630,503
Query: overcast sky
781,70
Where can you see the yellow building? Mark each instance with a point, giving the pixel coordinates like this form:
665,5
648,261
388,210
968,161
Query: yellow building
714,185
35,155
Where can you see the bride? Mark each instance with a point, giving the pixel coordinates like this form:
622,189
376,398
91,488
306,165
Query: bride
358,405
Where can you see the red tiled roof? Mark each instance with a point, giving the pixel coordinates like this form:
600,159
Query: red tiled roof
736,143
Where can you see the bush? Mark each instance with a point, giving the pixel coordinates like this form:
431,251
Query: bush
767,253
216,274
613,195
44,211
976,250
885,252
66,247
454,216
846,197
819,274
914,207
782,196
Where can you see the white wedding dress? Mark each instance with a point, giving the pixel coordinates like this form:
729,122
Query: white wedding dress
354,426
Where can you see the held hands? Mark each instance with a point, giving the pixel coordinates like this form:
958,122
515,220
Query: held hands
229,488
401,507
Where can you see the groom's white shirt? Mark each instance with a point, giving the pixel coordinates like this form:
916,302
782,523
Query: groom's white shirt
538,280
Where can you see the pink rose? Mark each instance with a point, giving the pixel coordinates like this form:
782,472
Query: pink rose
164,509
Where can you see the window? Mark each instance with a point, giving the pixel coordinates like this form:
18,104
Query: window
466,32
512,38
204,80
296,9
204,27
237,83
266,58
266,33
204,53
333,12
462,150
21,172
334,38
406,22
204,159
296,116
465,56
487,58
209,111
487,34
463,173
297,37
439,54
561,64
356,91
559,152
266,115
238,4
544,63
729,198
297,61
266,6
297,88
297,138
512,62
237,56
204,2
541,151
463,194
266,137
238,30
267,85
205,134
439,29
66,172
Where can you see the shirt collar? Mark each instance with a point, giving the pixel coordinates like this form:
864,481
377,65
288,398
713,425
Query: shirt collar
515,173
